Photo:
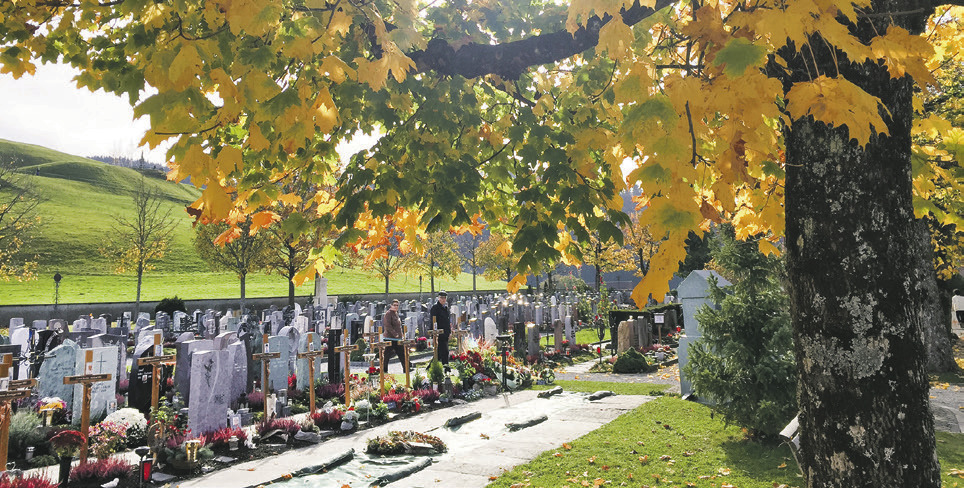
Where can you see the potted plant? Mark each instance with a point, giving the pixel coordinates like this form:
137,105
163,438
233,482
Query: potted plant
421,344
65,445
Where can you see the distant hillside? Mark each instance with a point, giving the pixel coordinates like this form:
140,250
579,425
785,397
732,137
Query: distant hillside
81,198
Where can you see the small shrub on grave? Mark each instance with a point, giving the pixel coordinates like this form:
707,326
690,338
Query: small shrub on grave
428,395
632,362
379,411
170,305
106,438
397,442
219,438
41,461
328,391
328,419
256,400
95,473
286,426
25,430
435,372
29,481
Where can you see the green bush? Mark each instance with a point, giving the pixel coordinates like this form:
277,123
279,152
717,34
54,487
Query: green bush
170,305
744,361
435,372
632,362
359,354
25,430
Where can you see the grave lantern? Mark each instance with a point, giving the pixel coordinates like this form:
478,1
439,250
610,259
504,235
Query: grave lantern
146,464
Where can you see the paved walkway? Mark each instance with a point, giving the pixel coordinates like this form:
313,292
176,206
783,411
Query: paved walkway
479,450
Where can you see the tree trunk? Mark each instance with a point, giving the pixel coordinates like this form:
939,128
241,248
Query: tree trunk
137,301
858,288
291,287
386,288
937,339
243,276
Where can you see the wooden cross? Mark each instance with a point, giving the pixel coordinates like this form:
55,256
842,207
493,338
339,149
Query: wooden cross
265,357
459,333
406,344
14,390
311,355
434,333
347,348
155,363
87,380
381,346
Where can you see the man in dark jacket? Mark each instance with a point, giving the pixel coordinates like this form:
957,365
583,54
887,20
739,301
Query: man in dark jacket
440,317
392,332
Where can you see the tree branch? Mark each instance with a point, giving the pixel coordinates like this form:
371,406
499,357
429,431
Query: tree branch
510,59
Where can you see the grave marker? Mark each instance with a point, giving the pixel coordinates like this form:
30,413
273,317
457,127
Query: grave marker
86,380
311,355
155,362
346,348
9,391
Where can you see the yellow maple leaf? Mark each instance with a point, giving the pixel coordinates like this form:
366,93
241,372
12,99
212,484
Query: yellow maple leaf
336,69
229,160
838,102
185,66
616,38
517,282
904,53
256,140
262,219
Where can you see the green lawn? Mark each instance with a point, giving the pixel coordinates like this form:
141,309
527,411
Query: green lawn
671,442
651,389
93,288
589,335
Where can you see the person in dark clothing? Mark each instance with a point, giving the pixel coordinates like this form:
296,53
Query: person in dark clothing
392,332
442,321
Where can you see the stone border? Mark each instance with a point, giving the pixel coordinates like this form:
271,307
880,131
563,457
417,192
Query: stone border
334,461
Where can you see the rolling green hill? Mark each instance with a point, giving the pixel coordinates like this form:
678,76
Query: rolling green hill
81,198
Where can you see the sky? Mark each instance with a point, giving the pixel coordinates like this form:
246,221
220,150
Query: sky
49,110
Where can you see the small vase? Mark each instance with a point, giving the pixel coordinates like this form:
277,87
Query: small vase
65,470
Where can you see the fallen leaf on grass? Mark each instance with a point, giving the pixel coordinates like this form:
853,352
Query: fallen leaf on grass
598,482
605,467
484,436
592,460
567,446
724,471
644,459
665,457
687,454
558,454
782,466
493,478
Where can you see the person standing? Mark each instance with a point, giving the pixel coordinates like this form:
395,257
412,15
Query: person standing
392,332
440,316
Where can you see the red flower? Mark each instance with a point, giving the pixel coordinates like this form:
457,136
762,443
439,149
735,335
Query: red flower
598,350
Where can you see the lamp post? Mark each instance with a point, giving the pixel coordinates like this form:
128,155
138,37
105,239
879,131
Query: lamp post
57,279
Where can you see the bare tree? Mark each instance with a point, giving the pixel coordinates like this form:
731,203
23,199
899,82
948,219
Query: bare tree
234,249
138,241
468,250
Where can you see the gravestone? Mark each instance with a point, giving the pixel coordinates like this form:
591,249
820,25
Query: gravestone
39,325
301,365
139,390
278,369
15,323
162,321
81,336
120,344
180,321
148,332
182,368
184,336
491,331
142,322
57,325
694,293
626,337
239,364
534,336
102,393
61,361
644,331
209,328
21,338
557,334
277,322
570,333
223,339
210,390
301,324
99,324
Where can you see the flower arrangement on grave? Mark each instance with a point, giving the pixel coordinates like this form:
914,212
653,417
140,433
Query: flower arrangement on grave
421,343
286,427
428,396
66,443
413,404
546,375
53,410
134,423
379,411
349,421
106,438
292,381
97,472
397,442
185,453
393,399
28,481
219,438
328,418
328,391
372,370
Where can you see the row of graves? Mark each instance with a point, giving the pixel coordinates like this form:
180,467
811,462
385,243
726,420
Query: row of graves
233,378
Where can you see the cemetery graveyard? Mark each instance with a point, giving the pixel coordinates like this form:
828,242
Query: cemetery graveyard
200,391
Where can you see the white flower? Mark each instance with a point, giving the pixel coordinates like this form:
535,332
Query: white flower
128,417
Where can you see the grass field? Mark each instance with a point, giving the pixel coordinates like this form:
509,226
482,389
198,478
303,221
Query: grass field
81,198
671,442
